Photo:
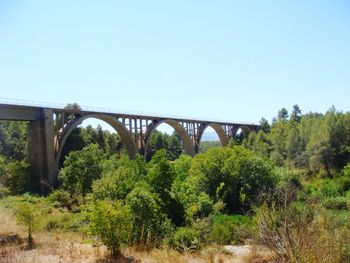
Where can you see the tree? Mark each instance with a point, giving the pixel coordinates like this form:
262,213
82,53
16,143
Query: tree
172,144
160,175
148,220
157,141
296,114
282,115
250,177
111,223
264,125
182,166
196,203
75,142
174,148
278,137
81,137
294,145
13,140
20,179
3,173
100,137
72,109
113,143
117,182
255,178
259,142
27,215
81,168
320,148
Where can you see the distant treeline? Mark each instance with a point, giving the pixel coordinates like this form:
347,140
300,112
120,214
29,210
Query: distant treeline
313,141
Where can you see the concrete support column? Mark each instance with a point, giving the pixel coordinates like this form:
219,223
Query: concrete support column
41,152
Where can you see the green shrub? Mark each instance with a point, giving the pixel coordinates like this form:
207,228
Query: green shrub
4,191
336,203
203,227
186,239
81,168
27,214
149,223
321,188
63,221
228,229
110,222
20,178
344,182
60,198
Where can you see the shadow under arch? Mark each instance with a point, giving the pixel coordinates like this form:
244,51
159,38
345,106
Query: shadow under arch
187,143
122,131
224,139
245,130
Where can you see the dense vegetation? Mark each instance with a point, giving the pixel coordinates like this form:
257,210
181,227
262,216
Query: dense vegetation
287,187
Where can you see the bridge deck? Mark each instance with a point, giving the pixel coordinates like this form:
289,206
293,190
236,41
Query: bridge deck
32,112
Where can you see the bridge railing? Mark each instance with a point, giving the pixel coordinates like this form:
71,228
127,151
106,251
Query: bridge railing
53,105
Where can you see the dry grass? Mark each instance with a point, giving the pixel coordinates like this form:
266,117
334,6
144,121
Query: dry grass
53,247
211,255
8,224
61,250
71,247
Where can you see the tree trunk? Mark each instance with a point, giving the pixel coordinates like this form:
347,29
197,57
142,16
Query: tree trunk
30,240
326,167
116,253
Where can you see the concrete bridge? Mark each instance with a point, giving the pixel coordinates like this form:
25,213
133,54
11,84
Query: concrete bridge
49,127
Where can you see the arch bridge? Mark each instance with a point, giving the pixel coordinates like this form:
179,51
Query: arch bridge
49,128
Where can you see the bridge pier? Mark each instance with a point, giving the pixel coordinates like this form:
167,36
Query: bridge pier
41,154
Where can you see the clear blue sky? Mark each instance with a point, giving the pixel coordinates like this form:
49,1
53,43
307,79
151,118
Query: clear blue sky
234,60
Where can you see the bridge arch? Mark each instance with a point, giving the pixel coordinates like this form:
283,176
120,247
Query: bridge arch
224,139
244,129
187,144
126,136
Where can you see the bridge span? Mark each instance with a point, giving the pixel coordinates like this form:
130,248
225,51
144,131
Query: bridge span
49,128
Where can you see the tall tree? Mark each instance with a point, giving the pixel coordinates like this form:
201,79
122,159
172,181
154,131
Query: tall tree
13,139
81,168
282,114
264,125
296,114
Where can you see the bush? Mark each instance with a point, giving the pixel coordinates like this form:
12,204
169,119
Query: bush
60,198
203,227
344,180
186,239
20,178
148,221
227,229
81,168
4,191
117,183
27,214
321,188
336,203
63,221
299,233
111,223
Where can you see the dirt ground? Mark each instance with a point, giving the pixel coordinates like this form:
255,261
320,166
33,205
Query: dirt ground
51,247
